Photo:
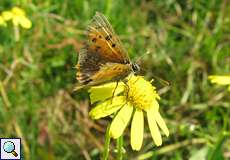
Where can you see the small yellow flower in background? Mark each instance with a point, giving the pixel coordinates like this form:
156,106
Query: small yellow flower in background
131,101
2,21
221,80
18,17
7,15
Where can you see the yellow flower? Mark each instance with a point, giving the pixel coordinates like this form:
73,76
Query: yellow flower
7,15
2,22
130,102
18,17
221,80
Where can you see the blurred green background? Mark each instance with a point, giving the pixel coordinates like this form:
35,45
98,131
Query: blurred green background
182,42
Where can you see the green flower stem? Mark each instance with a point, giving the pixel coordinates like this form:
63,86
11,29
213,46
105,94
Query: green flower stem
120,148
16,33
107,143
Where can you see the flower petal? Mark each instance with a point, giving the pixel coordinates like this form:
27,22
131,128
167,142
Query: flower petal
153,126
155,105
137,129
2,22
7,15
25,22
102,92
18,11
106,108
161,123
222,80
121,120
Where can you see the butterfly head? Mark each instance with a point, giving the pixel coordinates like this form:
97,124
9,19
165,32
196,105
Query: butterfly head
135,68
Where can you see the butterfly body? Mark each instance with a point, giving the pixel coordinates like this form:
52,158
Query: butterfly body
103,58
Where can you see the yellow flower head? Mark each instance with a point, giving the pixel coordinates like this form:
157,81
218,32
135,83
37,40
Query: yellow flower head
221,80
2,22
142,94
18,17
131,101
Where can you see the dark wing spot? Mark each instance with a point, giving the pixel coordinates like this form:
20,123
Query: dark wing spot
117,69
113,45
94,40
108,37
99,36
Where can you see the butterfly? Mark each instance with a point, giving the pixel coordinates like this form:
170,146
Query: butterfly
102,58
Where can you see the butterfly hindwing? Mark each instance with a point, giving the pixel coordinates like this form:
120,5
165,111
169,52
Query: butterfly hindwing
89,62
111,72
92,70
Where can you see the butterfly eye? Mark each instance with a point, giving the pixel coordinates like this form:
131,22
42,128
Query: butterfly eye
135,67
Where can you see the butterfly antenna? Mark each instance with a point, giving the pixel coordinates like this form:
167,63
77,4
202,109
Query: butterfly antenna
162,81
140,57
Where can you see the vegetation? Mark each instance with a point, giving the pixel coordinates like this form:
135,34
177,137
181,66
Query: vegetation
182,42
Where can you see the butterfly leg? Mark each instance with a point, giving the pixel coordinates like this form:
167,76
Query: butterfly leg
125,82
114,92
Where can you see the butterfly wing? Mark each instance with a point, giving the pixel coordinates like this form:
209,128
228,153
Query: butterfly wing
89,62
103,38
94,70
103,57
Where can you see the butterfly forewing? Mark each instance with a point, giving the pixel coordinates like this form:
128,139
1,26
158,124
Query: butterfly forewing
103,38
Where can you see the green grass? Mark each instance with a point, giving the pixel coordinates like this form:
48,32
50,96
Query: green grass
186,42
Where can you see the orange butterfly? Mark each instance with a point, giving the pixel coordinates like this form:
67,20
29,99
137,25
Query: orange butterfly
103,58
